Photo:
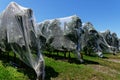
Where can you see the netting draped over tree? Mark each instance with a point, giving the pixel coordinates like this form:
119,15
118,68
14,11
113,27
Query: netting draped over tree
17,29
62,34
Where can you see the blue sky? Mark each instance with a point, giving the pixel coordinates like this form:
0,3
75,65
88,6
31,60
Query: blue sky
103,14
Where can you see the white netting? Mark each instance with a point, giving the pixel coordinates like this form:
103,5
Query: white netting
61,34
17,29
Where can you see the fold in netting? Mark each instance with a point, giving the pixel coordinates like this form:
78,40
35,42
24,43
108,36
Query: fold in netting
17,30
61,34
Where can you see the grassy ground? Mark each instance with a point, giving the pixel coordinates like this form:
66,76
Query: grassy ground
61,68
10,73
94,68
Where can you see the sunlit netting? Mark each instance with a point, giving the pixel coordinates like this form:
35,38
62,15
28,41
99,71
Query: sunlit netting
62,34
97,41
17,29
26,38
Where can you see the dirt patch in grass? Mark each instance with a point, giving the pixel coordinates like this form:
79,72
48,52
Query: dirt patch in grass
104,69
113,60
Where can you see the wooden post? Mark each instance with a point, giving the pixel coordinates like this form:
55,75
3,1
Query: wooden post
14,57
65,54
57,53
8,56
0,51
69,55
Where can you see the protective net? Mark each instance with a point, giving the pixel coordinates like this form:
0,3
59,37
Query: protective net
61,34
17,29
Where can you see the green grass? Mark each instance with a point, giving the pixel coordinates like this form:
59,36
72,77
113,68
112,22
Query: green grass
10,73
67,71
72,71
60,68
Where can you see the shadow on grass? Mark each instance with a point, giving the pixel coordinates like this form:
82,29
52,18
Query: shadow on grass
90,62
26,70
70,60
21,67
104,57
50,73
